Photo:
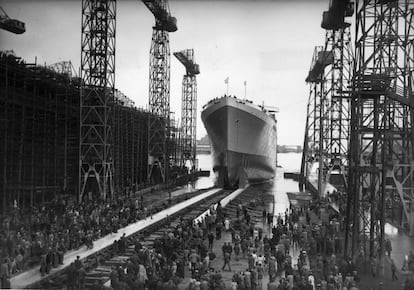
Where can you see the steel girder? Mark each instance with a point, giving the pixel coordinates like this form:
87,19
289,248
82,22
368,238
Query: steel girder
313,120
159,103
97,97
327,125
189,119
336,117
381,143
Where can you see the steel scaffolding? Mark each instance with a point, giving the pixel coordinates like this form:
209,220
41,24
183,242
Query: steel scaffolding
159,103
96,165
338,77
381,162
39,126
327,128
315,111
130,144
159,90
173,145
188,108
336,118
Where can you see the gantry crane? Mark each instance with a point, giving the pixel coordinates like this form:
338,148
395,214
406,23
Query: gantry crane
313,140
334,153
159,89
327,128
381,161
12,25
96,162
188,107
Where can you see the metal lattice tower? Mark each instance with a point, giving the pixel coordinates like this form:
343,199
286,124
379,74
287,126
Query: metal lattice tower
96,168
337,78
381,144
315,111
189,107
327,127
159,88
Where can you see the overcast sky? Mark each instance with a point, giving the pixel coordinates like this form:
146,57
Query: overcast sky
268,44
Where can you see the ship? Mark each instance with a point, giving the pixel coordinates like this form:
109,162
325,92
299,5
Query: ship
243,139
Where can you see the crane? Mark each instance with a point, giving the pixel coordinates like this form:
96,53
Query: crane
327,125
164,20
380,145
186,57
159,90
189,107
96,156
334,18
9,24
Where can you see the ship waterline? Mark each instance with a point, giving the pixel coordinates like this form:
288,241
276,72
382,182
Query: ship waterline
243,140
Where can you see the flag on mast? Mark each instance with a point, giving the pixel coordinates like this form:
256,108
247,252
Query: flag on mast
226,81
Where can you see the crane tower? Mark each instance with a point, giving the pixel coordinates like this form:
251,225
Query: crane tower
315,109
189,107
159,88
335,93
96,164
381,169
327,129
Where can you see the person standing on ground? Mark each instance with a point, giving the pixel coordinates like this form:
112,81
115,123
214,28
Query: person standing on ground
224,248
244,246
269,219
4,274
210,237
81,278
236,249
254,278
260,274
226,260
388,247
247,280
71,277
218,231
229,248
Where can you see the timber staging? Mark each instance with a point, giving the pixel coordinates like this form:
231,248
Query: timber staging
39,128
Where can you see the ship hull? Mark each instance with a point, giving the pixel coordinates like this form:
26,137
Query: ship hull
243,140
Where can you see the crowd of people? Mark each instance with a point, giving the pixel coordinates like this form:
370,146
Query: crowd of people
42,234
313,230
163,265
